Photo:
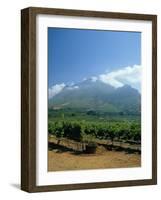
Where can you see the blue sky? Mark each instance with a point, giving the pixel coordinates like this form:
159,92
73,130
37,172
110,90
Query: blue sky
75,54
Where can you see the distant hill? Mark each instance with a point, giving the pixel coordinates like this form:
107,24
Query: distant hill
97,96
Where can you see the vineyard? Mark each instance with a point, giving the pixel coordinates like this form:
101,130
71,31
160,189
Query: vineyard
92,132
92,140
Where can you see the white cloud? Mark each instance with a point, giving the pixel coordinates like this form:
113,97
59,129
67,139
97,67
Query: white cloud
73,87
130,75
106,78
94,78
55,89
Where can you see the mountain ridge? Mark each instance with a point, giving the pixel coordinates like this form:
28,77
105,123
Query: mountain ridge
96,95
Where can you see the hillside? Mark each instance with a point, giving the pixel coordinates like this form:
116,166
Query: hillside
96,96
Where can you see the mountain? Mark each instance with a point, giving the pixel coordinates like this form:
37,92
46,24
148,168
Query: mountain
97,96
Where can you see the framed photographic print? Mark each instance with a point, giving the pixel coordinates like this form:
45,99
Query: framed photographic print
89,99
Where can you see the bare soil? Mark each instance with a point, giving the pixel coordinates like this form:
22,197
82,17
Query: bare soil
102,159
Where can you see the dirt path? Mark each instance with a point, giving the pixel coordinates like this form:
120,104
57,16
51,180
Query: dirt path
60,161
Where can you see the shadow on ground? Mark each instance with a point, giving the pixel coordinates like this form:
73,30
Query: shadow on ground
15,185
